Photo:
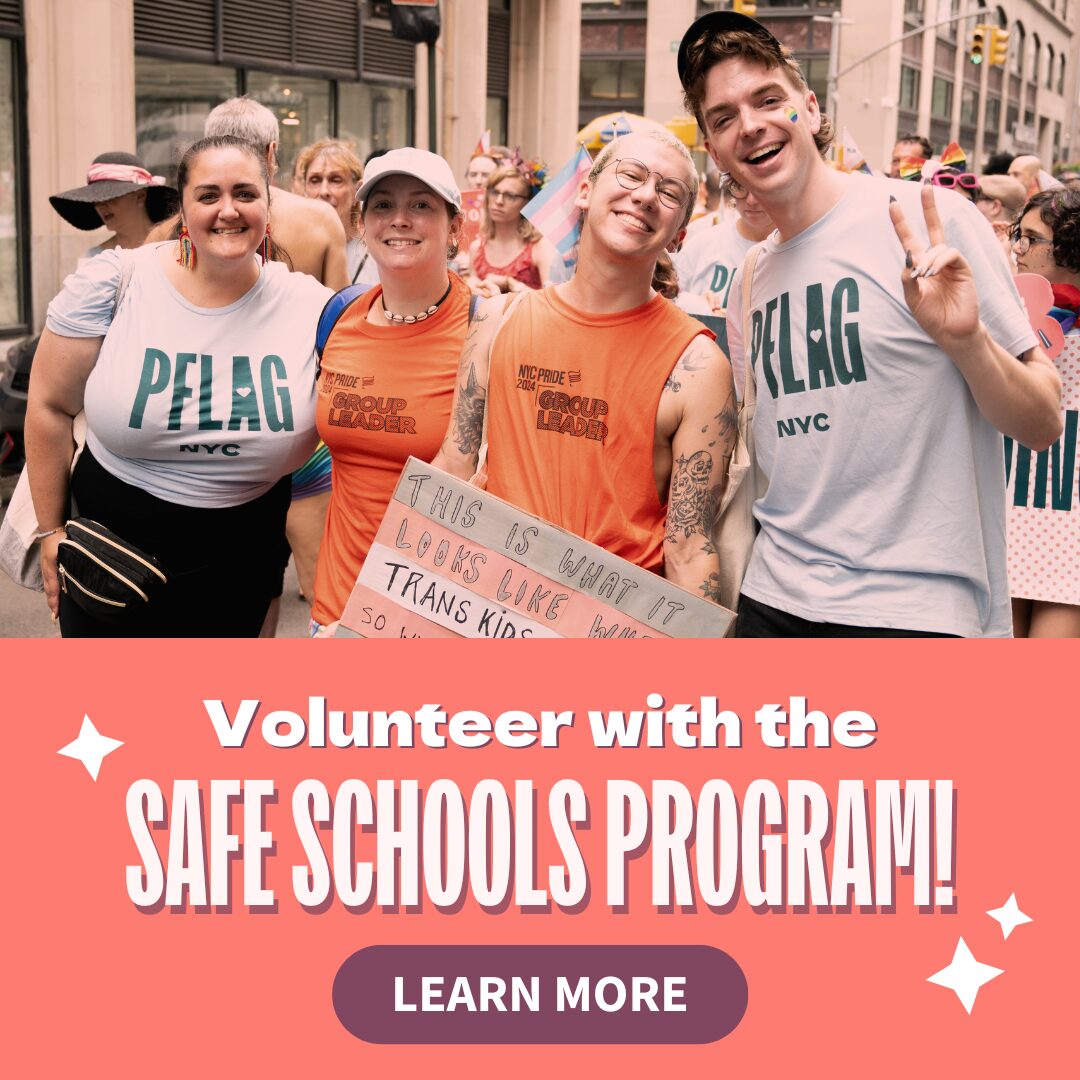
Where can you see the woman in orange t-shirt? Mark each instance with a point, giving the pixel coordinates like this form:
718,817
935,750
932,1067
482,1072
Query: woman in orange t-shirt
390,363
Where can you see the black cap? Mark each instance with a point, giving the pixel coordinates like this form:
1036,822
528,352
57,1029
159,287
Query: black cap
722,22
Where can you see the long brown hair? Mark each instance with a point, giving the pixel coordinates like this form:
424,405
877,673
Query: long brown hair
665,277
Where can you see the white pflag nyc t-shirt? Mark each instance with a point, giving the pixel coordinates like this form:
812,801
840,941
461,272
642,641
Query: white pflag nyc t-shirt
200,406
886,497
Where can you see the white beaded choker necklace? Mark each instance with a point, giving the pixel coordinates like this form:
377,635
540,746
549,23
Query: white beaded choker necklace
395,318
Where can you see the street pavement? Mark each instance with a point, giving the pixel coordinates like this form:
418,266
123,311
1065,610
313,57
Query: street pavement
23,612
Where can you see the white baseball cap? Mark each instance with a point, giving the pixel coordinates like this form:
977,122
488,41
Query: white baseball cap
428,168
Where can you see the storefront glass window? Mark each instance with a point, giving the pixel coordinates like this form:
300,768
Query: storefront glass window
374,117
172,100
9,180
496,119
302,107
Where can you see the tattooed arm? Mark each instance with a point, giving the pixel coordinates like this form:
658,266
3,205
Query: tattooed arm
702,393
459,451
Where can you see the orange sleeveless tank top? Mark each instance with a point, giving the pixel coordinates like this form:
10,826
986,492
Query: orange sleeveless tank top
573,399
384,393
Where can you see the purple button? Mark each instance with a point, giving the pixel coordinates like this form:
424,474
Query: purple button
540,994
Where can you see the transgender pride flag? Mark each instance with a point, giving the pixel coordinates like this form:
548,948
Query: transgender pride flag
553,211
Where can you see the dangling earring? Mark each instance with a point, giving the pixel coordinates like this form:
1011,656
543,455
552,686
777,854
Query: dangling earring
264,248
186,255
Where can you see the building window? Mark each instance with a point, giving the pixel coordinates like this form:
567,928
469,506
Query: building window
611,86
1049,68
374,117
909,88
993,113
498,69
969,106
941,98
1017,45
302,108
946,9
913,12
815,70
612,72
12,279
1061,74
172,100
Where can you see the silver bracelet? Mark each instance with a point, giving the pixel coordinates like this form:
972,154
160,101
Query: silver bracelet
42,535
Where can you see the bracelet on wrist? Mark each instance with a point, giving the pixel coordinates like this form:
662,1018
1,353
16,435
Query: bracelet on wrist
47,533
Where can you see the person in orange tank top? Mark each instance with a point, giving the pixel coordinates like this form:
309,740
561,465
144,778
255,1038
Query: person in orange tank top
580,373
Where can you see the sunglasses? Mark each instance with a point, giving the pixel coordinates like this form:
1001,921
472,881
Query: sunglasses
967,180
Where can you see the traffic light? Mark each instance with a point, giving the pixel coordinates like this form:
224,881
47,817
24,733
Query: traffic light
999,46
977,51
745,7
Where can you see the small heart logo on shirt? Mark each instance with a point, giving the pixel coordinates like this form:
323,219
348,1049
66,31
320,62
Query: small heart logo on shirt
816,335
242,391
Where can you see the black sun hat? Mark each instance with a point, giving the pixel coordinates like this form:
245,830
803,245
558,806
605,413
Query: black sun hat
721,22
110,176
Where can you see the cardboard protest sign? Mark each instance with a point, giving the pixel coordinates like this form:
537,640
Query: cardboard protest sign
450,560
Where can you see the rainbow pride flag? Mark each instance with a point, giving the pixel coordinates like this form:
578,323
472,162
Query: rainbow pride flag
553,211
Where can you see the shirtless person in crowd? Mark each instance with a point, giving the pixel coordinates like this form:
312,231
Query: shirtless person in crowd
614,361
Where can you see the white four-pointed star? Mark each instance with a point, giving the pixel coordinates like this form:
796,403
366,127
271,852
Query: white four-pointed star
965,975
91,747
1009,915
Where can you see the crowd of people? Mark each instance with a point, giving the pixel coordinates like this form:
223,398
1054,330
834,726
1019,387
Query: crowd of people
916,442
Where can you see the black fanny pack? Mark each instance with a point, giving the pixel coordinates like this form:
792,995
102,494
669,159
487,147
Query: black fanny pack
105,575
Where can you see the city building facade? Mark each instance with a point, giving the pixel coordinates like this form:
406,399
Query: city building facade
78,77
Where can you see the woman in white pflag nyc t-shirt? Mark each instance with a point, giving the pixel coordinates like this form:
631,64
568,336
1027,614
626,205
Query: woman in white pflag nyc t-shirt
194,361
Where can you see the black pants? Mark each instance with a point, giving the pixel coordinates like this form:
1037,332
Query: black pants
760,620
223,564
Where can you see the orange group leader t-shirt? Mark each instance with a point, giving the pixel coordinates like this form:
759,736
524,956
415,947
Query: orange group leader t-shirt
384,394
573,399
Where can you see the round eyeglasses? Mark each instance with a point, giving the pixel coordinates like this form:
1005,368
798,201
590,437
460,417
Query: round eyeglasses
1022,242
735,189
670,190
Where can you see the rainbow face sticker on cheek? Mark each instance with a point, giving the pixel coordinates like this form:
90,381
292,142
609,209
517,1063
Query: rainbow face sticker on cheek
791,114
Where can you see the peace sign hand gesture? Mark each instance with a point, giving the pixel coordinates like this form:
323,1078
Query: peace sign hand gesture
938,284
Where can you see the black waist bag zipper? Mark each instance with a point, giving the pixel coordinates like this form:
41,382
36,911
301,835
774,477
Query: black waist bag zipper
104,574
